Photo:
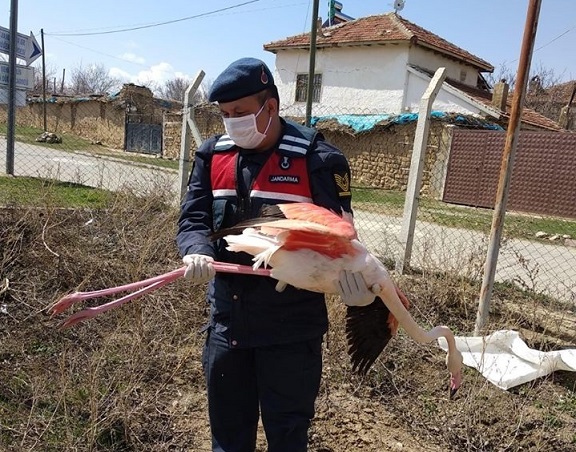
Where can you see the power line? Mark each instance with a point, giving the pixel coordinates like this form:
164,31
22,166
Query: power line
549,42
555,39
126,60
155,24
101,53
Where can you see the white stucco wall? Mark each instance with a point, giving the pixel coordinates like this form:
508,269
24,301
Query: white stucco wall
429,60
355,80
371,80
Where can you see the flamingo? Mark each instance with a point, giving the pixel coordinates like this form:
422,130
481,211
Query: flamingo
307,246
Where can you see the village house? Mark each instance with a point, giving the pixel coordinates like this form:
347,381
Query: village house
381,65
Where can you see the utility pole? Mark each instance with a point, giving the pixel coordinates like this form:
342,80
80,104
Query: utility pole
311,68
507,163
43,81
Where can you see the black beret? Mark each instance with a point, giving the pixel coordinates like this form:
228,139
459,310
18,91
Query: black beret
242,78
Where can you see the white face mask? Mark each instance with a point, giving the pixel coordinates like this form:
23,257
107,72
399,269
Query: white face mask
244,131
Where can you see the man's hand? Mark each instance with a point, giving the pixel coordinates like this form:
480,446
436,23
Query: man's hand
353,289
199,268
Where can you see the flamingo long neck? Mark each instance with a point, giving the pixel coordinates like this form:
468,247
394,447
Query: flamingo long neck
392,300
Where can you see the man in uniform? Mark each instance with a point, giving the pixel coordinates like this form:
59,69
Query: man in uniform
263,351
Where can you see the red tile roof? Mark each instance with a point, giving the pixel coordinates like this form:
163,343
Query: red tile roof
529,116
386,28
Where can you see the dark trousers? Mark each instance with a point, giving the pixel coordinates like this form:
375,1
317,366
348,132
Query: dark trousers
280,380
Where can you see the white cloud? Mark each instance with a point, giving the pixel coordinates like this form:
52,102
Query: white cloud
130,44
155,76
120,74
158,73
133,58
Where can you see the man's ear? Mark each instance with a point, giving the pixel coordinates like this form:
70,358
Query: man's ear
272,106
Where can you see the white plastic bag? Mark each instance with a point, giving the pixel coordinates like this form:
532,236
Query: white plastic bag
505,360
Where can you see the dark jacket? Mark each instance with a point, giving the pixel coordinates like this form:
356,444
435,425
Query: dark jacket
249,308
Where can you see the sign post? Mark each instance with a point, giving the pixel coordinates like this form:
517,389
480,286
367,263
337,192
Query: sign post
16,45
11,120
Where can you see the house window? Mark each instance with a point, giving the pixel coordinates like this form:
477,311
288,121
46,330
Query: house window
302,87
462,75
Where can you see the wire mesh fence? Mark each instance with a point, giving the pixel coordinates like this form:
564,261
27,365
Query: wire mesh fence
133,141
537,253
88,141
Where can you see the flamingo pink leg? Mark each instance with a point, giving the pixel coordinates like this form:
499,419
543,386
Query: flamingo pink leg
88,313
68,300
140,288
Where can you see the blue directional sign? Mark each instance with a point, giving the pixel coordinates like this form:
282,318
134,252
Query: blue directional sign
27,47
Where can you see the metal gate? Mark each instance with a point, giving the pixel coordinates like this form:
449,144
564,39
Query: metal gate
144,138
543,178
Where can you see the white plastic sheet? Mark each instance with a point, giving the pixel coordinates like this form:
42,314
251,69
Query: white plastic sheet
505,360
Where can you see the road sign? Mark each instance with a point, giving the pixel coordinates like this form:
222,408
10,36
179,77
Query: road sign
27,47
24,75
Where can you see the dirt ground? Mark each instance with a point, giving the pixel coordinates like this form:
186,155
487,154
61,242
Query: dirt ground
131,379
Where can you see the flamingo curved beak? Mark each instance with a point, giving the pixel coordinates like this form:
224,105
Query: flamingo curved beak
455,383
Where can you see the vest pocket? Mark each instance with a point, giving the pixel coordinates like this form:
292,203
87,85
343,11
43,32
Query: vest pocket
223,214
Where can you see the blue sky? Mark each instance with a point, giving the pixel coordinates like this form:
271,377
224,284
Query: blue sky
490,29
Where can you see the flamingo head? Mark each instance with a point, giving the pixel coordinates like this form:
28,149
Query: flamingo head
454,363
455,382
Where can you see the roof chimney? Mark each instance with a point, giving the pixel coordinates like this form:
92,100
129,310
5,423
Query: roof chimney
500,95
565,119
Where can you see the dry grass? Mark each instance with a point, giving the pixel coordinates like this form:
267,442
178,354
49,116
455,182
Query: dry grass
131,380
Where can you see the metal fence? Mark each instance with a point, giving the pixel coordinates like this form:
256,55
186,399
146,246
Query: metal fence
84,148
537,253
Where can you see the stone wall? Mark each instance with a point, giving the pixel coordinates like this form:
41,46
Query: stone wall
379,158
93,120
208,120
97,118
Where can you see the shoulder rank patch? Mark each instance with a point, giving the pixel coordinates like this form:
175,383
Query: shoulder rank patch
343,184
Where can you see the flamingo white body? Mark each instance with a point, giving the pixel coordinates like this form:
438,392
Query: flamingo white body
305,268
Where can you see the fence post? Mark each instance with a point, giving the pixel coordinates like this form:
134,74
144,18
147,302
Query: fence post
188,127
406,236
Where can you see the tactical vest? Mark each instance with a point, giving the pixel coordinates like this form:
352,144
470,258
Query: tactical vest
283,177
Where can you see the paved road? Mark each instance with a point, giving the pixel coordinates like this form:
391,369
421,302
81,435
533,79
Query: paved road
547,268
109,174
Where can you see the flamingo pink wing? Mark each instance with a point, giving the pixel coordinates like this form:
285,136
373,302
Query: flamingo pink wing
313,227
315,214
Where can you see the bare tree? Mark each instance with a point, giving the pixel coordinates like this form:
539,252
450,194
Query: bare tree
545,91
175,89
39,80
502,74
92,79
